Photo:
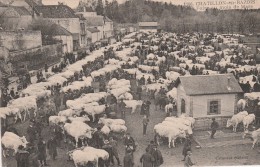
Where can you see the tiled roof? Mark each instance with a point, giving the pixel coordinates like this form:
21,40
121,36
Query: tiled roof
55,11
50,28
209,84
56,29
93,30
95,21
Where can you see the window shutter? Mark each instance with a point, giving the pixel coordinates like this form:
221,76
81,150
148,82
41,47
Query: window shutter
219,106
208,111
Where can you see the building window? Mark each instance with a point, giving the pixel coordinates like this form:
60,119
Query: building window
214,107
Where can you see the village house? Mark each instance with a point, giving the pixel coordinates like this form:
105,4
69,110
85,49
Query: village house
148,26
94,35
63,16
108,28
206,96
14,18
91,20
56,33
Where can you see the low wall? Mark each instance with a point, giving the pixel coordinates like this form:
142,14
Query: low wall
37,57
204,123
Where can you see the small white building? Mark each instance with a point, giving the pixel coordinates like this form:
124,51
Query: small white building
93,35
206,96
148,26
64,36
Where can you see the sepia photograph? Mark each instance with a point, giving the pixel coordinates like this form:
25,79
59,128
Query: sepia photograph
129,83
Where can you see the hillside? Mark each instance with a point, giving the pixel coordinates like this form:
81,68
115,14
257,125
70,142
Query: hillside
179,18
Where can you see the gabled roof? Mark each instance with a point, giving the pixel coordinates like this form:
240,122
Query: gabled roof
209,84
148,24
53,29
93,30
95,21
56,29
55,11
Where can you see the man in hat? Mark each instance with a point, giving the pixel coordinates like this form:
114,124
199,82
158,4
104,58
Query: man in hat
186,147
22,157
188,161
128,159
31,131
98,137
214,127
108,148
113,143
147,159
129,143
41,146
52,147
121,107
145,123
157,155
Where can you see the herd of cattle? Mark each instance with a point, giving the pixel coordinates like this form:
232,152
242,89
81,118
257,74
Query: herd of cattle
158,58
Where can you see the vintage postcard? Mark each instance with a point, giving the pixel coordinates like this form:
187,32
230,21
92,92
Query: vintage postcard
131,83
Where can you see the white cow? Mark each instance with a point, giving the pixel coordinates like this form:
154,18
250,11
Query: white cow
12,141
255,135
236,119
249,119
171,133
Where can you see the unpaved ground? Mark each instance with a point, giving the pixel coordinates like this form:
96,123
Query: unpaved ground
227,155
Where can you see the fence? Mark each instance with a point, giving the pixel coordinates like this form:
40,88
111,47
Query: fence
37,57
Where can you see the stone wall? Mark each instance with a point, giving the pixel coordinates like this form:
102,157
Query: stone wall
205,123
20,40
37,57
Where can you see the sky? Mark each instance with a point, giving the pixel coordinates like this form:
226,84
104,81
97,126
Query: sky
199,5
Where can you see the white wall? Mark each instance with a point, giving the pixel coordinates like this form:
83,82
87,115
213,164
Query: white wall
70,24
181,94
200,105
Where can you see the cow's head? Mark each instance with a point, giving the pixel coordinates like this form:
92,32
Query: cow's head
89,134
229,123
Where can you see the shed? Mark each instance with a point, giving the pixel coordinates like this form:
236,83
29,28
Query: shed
208,96
148,26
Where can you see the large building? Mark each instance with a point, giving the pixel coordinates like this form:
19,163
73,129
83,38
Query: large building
63,16
207,96
148,26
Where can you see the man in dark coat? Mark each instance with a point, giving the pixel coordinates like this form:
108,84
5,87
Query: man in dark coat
188,161
214,127
128,159
157,155
108,148
52,147
42,152
147,159
113,143
129,143
121,108
186,147
31,131
22,157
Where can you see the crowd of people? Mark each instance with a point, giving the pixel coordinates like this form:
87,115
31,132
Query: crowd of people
36,153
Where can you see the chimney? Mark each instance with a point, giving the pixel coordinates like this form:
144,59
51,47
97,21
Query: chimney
229,86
